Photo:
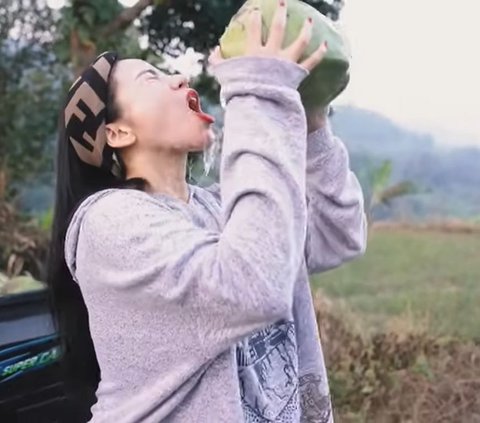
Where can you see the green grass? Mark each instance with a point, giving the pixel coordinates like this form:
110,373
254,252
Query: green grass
411,280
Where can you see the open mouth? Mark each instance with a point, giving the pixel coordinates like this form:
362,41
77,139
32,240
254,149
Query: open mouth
193,101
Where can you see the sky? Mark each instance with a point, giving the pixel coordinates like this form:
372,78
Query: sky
417,62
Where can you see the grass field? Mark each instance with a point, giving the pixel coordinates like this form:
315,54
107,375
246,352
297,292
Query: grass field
411,280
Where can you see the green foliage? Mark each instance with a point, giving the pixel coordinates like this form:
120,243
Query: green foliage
45,221
174,26
30,83
379,191
88,19
381,176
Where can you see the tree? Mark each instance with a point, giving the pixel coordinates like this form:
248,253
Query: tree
91,26
173,26
381,193
35,69
30,83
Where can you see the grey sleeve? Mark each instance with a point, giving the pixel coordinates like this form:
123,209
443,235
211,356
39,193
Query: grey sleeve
242,278
337,225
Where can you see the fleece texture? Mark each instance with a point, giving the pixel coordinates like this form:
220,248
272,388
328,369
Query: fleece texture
201,311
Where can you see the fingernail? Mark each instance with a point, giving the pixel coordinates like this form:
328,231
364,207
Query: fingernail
325,43
282,3
310,20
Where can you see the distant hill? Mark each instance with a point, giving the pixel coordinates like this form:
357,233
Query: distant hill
449,178
367,131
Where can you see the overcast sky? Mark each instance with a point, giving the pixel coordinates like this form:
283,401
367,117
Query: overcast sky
418,62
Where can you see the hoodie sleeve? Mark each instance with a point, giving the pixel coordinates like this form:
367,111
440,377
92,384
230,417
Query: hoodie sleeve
242,278
337,227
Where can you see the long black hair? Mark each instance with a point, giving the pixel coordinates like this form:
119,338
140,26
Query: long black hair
75,181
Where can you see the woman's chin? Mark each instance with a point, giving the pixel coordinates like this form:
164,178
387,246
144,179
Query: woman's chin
203,141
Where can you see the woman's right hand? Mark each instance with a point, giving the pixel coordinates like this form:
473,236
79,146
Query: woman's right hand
273,47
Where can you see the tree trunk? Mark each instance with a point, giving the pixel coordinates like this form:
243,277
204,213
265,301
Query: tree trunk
81,54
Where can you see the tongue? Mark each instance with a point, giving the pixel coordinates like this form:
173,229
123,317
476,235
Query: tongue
205,117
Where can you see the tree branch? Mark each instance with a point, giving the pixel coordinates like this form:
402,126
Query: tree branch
126,17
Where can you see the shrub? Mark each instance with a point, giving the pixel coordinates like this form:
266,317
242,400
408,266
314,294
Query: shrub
393,377
23,244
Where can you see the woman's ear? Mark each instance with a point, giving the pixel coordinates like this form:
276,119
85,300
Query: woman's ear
119,135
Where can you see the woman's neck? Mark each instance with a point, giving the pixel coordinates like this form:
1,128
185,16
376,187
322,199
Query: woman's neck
165,174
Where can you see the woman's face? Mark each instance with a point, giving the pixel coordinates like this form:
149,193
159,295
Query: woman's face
157,111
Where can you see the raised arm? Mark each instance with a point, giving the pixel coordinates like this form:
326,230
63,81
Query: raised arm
337,225
240,279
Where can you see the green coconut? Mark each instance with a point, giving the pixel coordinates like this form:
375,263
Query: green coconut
329,78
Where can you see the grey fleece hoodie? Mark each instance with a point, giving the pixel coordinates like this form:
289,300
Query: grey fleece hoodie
201,311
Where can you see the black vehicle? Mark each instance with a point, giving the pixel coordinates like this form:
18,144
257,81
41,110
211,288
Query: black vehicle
30,385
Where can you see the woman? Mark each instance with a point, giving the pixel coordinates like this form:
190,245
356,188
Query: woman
199,308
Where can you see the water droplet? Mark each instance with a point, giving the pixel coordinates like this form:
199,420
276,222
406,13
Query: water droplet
212,151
